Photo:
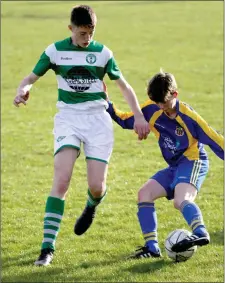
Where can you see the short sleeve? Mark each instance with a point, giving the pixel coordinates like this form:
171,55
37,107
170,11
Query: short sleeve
42,66
112,69
46,61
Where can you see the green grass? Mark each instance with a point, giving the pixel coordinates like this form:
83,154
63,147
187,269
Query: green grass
185,38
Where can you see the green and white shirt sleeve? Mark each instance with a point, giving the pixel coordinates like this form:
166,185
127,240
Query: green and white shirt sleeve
45,62
112,68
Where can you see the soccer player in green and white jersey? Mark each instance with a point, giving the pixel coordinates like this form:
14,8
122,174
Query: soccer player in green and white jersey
80,65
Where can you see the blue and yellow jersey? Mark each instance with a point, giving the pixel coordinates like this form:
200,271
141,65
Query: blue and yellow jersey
179,138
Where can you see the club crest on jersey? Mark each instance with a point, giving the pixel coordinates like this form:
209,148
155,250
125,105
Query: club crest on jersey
91,58
179,131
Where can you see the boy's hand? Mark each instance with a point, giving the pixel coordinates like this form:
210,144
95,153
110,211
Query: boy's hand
141,127
22,95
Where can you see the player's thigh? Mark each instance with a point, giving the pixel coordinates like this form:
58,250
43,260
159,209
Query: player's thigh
150,191
98,143
64,162
188,180
159,185
66,133
96,175
191,172
184,191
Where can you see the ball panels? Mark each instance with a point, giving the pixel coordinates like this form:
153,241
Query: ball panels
175,237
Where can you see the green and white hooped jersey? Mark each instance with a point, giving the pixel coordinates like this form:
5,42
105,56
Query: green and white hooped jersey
79,72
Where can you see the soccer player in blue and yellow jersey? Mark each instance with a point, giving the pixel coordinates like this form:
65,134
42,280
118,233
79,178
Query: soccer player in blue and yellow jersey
181,133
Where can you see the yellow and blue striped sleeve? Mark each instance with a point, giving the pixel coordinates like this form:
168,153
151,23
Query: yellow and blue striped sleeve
126,119
203,132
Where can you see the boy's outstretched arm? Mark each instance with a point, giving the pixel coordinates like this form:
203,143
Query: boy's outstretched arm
201,130
207,135
140,126
126,119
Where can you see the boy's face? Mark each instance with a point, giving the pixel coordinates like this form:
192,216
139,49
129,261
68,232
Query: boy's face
82,35
169,104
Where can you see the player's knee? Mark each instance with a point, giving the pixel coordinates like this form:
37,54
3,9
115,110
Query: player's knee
62,184
97,188
141,195
177,203
145,194
62,177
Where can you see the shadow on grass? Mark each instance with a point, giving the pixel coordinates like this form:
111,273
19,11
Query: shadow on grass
136,265
41,274
54,271
99,263
217,237
149,266
20,260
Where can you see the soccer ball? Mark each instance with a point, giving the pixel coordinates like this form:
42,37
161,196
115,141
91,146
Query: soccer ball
175,237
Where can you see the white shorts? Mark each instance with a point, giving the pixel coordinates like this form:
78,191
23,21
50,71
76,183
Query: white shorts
94,130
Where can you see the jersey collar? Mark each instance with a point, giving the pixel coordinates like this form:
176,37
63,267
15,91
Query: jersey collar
177,106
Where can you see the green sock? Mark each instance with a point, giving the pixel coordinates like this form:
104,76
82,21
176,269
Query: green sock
92,201
53,215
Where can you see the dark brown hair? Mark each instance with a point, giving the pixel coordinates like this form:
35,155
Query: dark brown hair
83,15
161,86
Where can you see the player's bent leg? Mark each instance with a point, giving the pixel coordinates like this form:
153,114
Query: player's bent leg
97,173
185,195
63,168
147,217
151,191
184,192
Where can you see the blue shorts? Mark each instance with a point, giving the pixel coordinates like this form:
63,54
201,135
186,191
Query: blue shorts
192,172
